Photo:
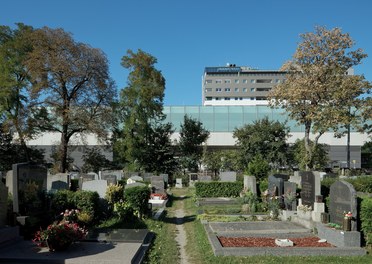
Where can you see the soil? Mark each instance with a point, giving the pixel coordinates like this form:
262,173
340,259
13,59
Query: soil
270,242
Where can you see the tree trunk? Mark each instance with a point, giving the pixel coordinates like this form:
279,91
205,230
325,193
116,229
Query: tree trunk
309,153
63,152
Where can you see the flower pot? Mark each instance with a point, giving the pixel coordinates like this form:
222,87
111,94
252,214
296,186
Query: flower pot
55,245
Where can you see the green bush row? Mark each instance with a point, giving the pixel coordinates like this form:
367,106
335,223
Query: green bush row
361,184
138,198
86,201
218,189
366,219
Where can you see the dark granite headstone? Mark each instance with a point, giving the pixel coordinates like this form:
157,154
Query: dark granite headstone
193,176
342,199
308,188
25,176
285,177
276,186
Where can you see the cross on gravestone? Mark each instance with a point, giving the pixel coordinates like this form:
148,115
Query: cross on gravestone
310,183
343,199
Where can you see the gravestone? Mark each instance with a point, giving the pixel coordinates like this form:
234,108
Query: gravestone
109,173
178,183
290,200
134,179
165,177
157,184
285,177
193,177
276,186
342,199
205,178
250,184
110,178
59,181
147,176
99,186
25,176
310,182
228,176
3,204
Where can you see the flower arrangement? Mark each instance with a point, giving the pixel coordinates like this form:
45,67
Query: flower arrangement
60,235
304,208
158,196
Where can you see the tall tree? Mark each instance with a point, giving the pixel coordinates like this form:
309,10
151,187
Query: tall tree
140,107
317,92
15,101
265,138
192,136
71,80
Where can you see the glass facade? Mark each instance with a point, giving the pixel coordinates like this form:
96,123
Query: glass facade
226,118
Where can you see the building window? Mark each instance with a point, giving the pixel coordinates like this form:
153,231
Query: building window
208,81
245,81
236,80
236,90
217,98
263,89
277,81
218,81
218,89
253,81
227,89
236,98
264,81
245,90
227,98
252,89
208,90
208,98
227,81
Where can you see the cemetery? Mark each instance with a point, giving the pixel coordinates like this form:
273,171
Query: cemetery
303,214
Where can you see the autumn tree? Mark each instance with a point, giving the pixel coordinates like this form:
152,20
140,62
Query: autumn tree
16,105
318,93
143,140
265,138
72,83
192,136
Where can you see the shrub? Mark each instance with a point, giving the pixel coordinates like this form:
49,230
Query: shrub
87,201
366,219
114,193
138,198
62,200
258,167
218,189
362,183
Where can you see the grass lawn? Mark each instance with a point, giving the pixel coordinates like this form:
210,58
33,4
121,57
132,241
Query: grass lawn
198,248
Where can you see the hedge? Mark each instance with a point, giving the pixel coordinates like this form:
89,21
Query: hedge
366,219
218,189
138,198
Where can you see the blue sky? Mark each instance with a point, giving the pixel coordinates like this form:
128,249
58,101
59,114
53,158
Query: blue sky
186,36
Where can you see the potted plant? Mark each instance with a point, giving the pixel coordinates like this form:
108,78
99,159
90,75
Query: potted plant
60,235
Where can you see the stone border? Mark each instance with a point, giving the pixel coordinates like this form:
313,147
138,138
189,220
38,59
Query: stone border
218,250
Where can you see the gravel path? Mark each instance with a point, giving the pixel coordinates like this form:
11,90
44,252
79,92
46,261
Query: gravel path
181,234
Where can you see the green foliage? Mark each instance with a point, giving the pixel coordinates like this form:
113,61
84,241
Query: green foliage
366,219
258,167
192,136
94,160
88,201
218,189
85,201
264,185
114,194
249,201
123,210
140,107
361,183
263,137
138,198
320,157
317,93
